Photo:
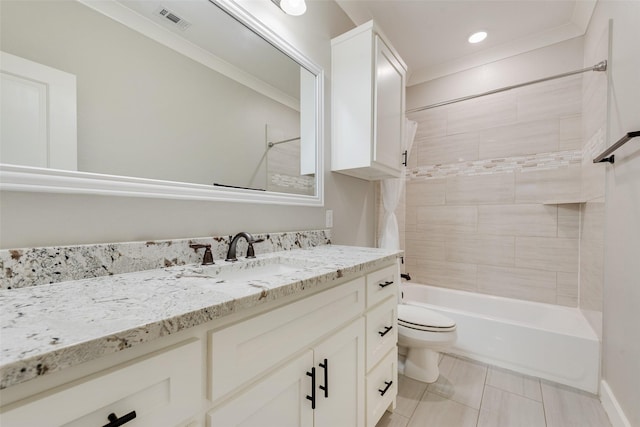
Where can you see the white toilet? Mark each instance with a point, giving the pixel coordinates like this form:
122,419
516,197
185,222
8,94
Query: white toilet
424,333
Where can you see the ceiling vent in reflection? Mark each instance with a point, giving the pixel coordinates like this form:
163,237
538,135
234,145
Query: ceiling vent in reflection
171,18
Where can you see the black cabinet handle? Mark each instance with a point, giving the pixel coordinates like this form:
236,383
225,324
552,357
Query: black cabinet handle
388,384
386,330
385,284
312,398
405,155
115,421
325,387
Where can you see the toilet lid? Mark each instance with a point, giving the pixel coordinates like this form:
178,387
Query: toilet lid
423,319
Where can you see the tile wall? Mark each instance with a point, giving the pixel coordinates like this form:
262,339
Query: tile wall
493,186
594,130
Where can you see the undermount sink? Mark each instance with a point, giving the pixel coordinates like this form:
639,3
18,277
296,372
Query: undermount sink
255,269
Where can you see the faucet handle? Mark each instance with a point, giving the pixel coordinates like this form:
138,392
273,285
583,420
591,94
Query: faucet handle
250,252
207,259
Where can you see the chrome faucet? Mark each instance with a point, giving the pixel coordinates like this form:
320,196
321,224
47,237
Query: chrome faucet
231,254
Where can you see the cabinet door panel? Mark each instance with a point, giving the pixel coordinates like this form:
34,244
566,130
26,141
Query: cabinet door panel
277,401
344,353
382,387
382,284
389,107
382,331
163,389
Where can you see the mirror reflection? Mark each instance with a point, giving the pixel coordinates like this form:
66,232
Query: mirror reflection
221,106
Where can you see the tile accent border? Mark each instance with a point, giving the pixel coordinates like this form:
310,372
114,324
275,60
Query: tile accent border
37,266
534,162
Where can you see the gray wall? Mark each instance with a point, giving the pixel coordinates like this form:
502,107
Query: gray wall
37,219
621,314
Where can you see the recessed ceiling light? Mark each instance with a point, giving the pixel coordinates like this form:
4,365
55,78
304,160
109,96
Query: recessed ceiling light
477,37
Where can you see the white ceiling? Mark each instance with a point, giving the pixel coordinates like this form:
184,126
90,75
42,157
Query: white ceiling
431,35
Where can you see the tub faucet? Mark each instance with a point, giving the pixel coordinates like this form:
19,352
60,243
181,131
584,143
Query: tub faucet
231,254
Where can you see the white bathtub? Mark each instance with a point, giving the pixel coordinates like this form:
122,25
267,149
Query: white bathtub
543,340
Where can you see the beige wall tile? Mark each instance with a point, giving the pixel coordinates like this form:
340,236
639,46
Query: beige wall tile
451,275
546,253
569,220
593,179
481,249
553,99
520,283
591,275
480,189
518,220
570,136
442,220
592,226
567,289
462,147
426,192
551,184
424,249
481,113
519,139
431,122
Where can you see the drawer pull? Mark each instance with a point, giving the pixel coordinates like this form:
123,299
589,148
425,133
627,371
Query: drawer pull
385,284
387,384
325,387
386,330
312,398
115,421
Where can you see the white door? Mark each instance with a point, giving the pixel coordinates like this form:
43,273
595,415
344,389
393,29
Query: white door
37,115
341,357
277,401
389,108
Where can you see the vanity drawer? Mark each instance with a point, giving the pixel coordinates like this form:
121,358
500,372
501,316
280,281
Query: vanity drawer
382,387
247,349
382,331
382,284
163,389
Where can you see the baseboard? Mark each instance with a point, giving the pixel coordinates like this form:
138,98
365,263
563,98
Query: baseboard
611,406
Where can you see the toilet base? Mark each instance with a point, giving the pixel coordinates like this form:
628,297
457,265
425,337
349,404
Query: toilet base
422,364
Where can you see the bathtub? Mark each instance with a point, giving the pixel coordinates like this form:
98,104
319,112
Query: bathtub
543,340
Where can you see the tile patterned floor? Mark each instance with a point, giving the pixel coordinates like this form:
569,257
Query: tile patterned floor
472,394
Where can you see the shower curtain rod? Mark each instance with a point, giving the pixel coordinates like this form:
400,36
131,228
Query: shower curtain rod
600,66
271,144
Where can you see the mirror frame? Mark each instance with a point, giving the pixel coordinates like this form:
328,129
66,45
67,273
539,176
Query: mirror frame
43,180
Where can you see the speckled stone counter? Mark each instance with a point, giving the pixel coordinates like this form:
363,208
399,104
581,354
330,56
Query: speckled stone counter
47,328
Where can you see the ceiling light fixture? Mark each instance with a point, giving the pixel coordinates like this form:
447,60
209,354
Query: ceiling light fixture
292,7
477,37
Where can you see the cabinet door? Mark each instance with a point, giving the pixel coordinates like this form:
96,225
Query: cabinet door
389,106
280,400
339,363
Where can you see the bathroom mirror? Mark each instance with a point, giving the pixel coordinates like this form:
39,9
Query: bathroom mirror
175,99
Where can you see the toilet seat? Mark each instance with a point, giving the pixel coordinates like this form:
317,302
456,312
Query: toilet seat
423,319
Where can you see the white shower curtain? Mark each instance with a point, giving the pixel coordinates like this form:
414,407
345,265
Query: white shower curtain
391,190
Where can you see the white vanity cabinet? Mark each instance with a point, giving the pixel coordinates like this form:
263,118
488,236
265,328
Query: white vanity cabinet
368,105
316,361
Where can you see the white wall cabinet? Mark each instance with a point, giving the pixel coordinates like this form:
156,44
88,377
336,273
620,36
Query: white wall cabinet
368,105
318,361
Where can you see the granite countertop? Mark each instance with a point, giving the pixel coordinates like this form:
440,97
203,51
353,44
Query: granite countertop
51,327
